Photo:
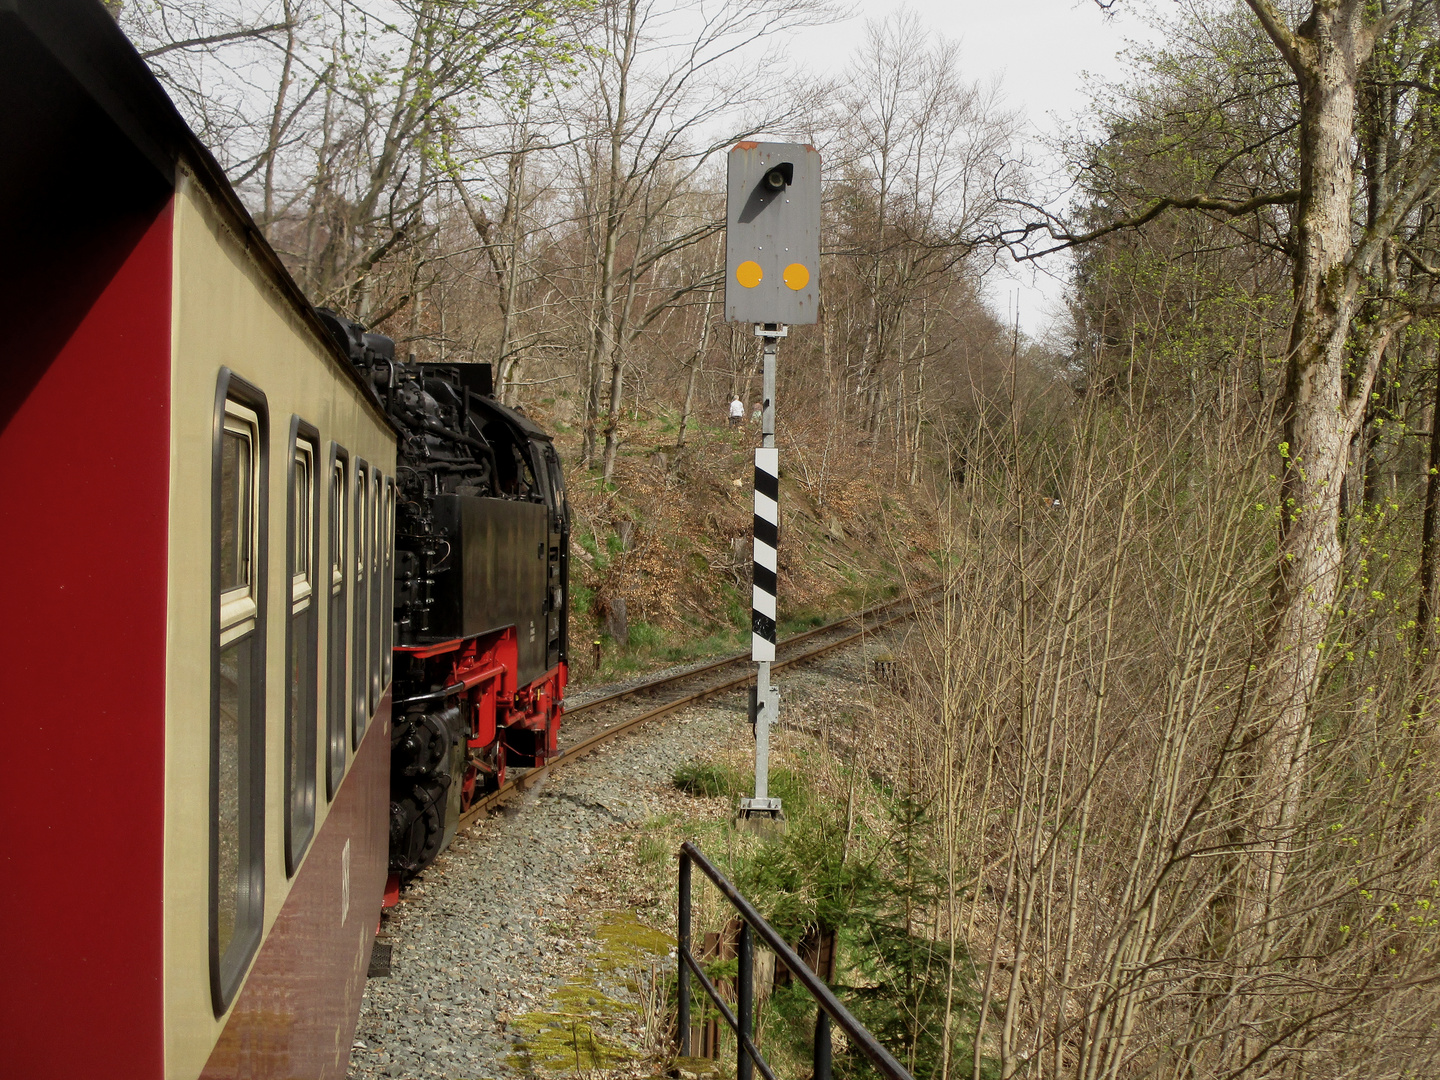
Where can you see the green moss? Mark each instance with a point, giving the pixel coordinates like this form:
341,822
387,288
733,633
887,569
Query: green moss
626,942
700,1067
565,1038
571,1032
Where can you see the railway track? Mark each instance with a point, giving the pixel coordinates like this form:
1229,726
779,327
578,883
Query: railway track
688,688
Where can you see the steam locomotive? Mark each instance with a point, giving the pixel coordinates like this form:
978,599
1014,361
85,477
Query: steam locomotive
481,589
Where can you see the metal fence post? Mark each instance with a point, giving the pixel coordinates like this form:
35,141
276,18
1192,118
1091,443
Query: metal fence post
682,977
744,1066
741,1020
822,1045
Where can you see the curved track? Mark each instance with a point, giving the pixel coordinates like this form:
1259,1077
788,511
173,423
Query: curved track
712,679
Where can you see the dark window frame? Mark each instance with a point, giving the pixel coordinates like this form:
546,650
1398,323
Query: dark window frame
337,616
359,604
298,835
388,614
377,589
227,971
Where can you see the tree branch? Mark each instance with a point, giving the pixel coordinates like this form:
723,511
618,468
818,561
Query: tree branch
1067,239
394,309
215,39
1383,24
1274,25
1416,259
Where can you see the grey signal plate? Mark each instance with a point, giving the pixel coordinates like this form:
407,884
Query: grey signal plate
772,234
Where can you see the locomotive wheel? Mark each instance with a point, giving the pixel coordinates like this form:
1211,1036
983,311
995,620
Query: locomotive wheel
417,826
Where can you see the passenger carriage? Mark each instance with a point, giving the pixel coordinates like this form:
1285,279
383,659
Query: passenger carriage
198,574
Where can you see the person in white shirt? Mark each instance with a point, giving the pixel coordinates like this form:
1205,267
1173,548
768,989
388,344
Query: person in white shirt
737,412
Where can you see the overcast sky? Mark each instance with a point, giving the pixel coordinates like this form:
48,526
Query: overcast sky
1039,50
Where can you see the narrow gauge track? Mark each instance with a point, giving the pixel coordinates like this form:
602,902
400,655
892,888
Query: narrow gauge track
795,649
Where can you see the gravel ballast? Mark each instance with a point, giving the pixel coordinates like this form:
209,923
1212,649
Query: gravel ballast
530,922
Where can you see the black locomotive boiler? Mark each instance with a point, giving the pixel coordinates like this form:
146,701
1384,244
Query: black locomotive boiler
482,537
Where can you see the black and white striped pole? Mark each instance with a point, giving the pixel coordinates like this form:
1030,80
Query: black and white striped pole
764,580
772,263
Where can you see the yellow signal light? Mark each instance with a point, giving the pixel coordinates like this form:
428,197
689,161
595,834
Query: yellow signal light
749,273
796,276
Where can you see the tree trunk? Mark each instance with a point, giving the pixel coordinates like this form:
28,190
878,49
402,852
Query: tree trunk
592,393
752,364
1425,606
277,119
1320,420
612,416
695,363
919,421
617,385
606,332
508,359
318,269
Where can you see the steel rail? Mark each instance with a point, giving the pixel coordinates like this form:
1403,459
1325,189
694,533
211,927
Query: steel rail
521,784
739,657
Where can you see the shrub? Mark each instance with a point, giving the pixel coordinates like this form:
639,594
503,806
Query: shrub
708,779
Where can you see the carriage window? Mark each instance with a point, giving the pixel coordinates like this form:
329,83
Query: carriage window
302,651
302,492
237,695
237,503
359,644
338,701
377,588
388,623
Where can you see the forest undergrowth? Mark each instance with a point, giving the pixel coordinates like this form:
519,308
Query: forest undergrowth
661,554
1093,687
1038,852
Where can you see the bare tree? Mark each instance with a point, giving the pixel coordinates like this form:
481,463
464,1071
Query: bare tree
358,106
668,87
926,161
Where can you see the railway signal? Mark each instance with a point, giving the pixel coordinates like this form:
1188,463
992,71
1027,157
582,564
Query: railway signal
772,278
772,234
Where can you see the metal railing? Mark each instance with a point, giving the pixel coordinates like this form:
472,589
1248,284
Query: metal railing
752,925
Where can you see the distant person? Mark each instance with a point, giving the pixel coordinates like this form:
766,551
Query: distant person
737,411
757,415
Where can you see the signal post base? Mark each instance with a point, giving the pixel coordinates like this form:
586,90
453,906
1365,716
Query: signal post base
763,817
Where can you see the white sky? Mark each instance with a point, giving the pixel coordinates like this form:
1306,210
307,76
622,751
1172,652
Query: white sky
1039,50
